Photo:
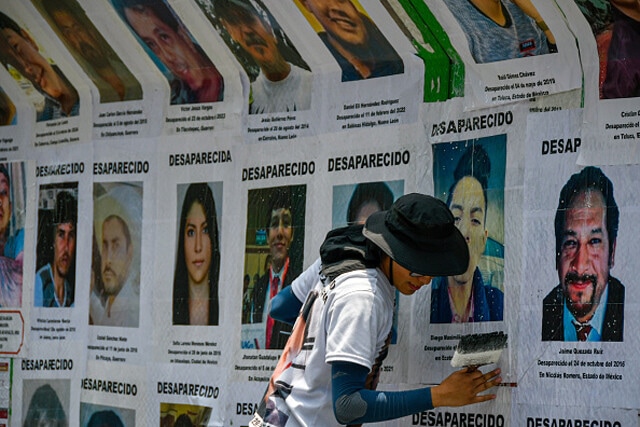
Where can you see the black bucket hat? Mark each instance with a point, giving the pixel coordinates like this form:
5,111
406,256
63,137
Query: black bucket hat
418,232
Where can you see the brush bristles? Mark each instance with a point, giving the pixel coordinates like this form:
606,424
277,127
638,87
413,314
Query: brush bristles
479,349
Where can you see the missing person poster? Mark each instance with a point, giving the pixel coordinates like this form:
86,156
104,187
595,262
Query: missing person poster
514,50
608,34
47,384
16,118
120,91
525,414
60,274
275,207
47,77
205,93
367,178
494,413
16,215
476,170
196,307
282,95
181,395
368,69
118,397
575,317
121,260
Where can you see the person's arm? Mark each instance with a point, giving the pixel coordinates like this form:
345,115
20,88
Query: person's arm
285,306
353,404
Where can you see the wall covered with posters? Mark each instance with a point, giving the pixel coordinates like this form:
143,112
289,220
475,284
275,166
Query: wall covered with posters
193,150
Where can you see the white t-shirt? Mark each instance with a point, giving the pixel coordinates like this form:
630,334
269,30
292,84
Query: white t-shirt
305,282
291,94
349,321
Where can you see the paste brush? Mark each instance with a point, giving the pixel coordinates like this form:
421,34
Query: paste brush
479,349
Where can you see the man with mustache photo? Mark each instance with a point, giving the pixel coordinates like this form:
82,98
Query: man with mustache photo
281,86
117,224
55,281
588,304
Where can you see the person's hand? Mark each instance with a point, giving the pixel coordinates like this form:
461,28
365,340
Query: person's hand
463,387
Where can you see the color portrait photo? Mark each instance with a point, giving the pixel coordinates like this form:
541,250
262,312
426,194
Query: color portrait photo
56,248
359,47
469,177
273,257
280,79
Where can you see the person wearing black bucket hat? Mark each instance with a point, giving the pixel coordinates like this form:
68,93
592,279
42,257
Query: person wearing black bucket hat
328,371
419,233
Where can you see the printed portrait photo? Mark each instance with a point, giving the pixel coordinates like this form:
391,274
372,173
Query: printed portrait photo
616,28
469,177
498,30
197,271
52,94
91,51
353,203
356,43
12,221
45,402
93,415
55,281
115,264
281,81
182,415
192,76
587,304
273,259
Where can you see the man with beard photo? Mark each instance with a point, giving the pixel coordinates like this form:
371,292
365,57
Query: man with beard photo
588,304
117,225
55,281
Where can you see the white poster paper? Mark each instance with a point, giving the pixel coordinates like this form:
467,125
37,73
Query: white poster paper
117,397
122,256
47,387
196,305
370,89
17,214
581,289
475,166
118,90
60,275
513,50
610,56
529,415
16,118
204,88
282,95
48,78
